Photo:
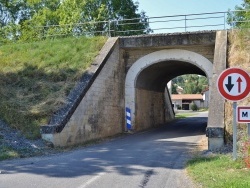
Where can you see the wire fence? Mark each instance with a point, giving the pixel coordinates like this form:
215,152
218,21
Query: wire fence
150,25
147,25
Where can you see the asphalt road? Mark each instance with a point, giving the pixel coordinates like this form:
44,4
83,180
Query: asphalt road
153,158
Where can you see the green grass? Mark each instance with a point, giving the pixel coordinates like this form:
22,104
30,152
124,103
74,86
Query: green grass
7,153
219,171
36,77
184,115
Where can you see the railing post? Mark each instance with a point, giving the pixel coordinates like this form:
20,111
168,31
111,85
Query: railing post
185,23
224,21
109,32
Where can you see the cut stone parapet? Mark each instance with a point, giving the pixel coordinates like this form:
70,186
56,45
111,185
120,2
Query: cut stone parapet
215,127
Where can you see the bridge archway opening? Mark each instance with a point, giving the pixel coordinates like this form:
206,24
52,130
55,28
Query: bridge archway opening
146,96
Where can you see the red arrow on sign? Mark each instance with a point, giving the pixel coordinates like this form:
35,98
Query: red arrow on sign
239,80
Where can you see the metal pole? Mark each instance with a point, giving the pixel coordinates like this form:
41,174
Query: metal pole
248,130
224,21
185,23
109,33
234,131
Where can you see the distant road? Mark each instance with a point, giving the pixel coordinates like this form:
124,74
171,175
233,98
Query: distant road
153,158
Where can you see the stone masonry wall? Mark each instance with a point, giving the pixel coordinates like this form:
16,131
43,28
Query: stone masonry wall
134,54
101,111
150,109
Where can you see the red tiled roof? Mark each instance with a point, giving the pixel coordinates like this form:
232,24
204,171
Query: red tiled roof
186,97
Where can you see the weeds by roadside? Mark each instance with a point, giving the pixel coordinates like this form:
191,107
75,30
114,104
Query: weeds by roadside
219,171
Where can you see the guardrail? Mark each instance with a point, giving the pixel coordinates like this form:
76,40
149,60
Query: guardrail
146,25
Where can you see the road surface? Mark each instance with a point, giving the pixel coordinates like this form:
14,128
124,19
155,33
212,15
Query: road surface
153,158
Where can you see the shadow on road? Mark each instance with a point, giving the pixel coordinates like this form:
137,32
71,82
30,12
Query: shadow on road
160,147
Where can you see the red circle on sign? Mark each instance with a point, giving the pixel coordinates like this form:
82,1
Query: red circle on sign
221,89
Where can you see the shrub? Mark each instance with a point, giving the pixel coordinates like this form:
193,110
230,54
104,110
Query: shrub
246,153
178,107
194,107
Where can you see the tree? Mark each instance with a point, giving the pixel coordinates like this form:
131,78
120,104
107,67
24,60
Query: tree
13,11
173,89
191,83
38,19
241,17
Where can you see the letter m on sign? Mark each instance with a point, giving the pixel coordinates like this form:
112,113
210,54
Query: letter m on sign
244,114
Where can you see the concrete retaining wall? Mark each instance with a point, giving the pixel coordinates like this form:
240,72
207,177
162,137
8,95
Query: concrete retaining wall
101,111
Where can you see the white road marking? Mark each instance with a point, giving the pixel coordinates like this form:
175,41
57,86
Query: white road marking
91,180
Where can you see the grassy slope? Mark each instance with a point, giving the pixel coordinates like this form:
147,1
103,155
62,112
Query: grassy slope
238,56
36,77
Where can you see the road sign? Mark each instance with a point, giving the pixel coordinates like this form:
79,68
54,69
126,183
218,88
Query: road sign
243,114
234,84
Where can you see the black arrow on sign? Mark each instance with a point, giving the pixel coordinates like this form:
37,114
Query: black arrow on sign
229,84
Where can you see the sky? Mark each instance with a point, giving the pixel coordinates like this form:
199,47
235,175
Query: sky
157,8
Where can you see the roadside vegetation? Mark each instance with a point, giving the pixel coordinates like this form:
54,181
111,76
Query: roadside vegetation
220,170
184,115
36,77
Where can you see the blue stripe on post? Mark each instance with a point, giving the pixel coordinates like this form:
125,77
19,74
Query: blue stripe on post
128,118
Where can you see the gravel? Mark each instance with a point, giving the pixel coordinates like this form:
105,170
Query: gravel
14,140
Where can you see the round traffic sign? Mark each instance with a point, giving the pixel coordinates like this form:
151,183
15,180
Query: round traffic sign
234,84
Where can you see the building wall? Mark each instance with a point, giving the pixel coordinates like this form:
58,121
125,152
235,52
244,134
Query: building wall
176,103
206,99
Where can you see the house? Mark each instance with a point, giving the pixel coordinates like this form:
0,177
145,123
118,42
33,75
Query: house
183,101
205,94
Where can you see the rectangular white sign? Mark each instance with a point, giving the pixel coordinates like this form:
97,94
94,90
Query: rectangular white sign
243,114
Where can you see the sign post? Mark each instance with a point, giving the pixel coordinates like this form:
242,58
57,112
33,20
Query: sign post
243,116
234,131
233,84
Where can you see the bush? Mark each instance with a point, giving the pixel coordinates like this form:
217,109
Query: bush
178,107
246,153
194,107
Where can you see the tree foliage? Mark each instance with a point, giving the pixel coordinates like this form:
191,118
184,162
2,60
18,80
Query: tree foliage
191,83
38,19
240,18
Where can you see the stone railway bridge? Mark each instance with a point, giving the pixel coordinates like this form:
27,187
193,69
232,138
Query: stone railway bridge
125,87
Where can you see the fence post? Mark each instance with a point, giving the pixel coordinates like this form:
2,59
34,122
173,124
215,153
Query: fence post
224,20
109,32
185,23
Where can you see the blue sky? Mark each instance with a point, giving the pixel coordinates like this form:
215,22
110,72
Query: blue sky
156,8
176,7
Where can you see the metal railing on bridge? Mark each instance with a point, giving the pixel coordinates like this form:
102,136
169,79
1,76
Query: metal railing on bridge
146,25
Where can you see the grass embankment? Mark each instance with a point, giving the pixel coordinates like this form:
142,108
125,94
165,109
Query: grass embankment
36,77
219,171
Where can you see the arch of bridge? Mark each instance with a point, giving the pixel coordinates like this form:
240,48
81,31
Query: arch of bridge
166,56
